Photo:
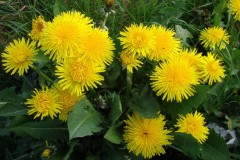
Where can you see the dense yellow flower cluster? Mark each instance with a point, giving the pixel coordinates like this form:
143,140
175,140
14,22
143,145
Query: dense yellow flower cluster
81,53
179,69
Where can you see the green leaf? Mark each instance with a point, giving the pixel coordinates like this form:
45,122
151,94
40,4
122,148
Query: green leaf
145,103
2,104
187,144
113,72
72,145
49,129
116,108
13,110
12,103
42,59
9,95
215,148
113,135
218,13
187,105
236,59
59,6
84,120
199,97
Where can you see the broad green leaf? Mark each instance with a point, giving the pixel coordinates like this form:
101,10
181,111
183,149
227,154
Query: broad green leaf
116,108
144,103
187,144
13,103
187,105
59,6
215,148
49,129
9,95
13,110
84,120
199,97
113,135
175,109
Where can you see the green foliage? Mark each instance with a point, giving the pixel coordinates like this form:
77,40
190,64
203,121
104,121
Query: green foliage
215,148
59,6
84,120
188,105
116,108
49,129
11,103
187,145
94,132
113,135
144,103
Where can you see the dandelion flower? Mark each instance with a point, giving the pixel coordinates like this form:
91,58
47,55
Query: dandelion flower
146,136
235,9
78,75
165,43
174,79
193,124
44,103
19,56
211,69
137,39
38,25
130,61
214,37
190,55
67,101
46,153
98,46
61,38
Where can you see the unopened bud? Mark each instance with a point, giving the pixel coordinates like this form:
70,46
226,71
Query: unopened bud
109,3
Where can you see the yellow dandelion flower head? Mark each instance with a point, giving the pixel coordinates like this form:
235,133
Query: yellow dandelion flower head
165,43
46,153
19,56
191,55
214,37
44,103
62,36
130,61
67,101
146,136
98,46
193,124
235,9
38,25
175,79
137,39
78,75
211,69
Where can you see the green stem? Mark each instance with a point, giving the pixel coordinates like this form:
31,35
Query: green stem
41,74
129,82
